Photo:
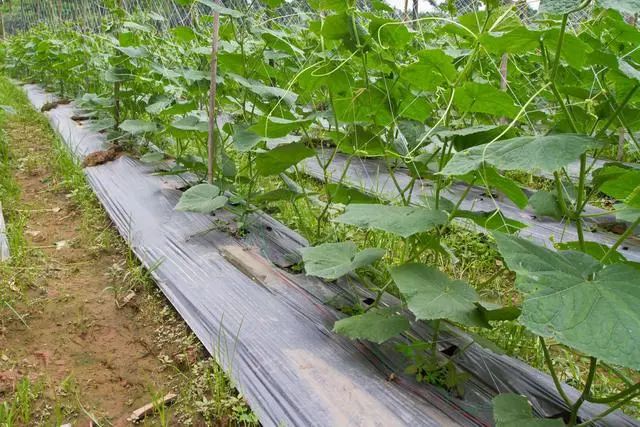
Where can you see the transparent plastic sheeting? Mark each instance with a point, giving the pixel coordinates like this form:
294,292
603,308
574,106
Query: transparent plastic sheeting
273,334
371,176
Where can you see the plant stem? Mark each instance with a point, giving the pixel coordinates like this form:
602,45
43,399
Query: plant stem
621,239
116,104
434,341
617,396
579,205
560,195
618,110
586,392
552,371
556,59
610,410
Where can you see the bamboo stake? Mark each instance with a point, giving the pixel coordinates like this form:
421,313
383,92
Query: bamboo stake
621,140
504,61
211,143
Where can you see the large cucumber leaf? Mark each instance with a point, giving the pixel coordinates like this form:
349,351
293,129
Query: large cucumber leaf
333,260
545,153
202,198
483,98
431,294
403,221
281,158
575,299
376,325
513,410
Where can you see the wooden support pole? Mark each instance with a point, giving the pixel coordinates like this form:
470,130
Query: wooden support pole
621,140
504,62
211,143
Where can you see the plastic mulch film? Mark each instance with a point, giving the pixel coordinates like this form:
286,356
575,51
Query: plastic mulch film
371,177
271,329
4,242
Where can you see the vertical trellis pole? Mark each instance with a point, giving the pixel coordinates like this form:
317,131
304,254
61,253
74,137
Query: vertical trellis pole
211,143
621,141
1,23
504,61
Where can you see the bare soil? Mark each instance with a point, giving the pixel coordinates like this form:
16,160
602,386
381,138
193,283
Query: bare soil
74,341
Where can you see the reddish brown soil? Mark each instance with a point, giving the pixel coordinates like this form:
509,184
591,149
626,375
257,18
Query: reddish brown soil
75,333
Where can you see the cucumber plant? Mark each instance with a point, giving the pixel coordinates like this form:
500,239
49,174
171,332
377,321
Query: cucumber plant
443,105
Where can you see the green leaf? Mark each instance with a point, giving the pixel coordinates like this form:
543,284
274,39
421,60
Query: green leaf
431,294
244,139
492,220
630,7
545,203
333,260
518,41
476,135
403,221
493,312
183,34
376,325
539,153
414,107
277,127
136,127
617,182
158,104
422,77
595,249
439,61
490,178
513,410
117,75
277,195
578,301
483,98
363,105
266,92
202,198
102,124
281,158
134,52
215,7
389,33
574,51
626,213
346,195
152,157
191,123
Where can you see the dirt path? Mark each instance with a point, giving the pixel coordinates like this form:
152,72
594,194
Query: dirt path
77,344
73,333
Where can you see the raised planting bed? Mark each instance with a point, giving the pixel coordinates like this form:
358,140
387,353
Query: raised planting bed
271,329
371,176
